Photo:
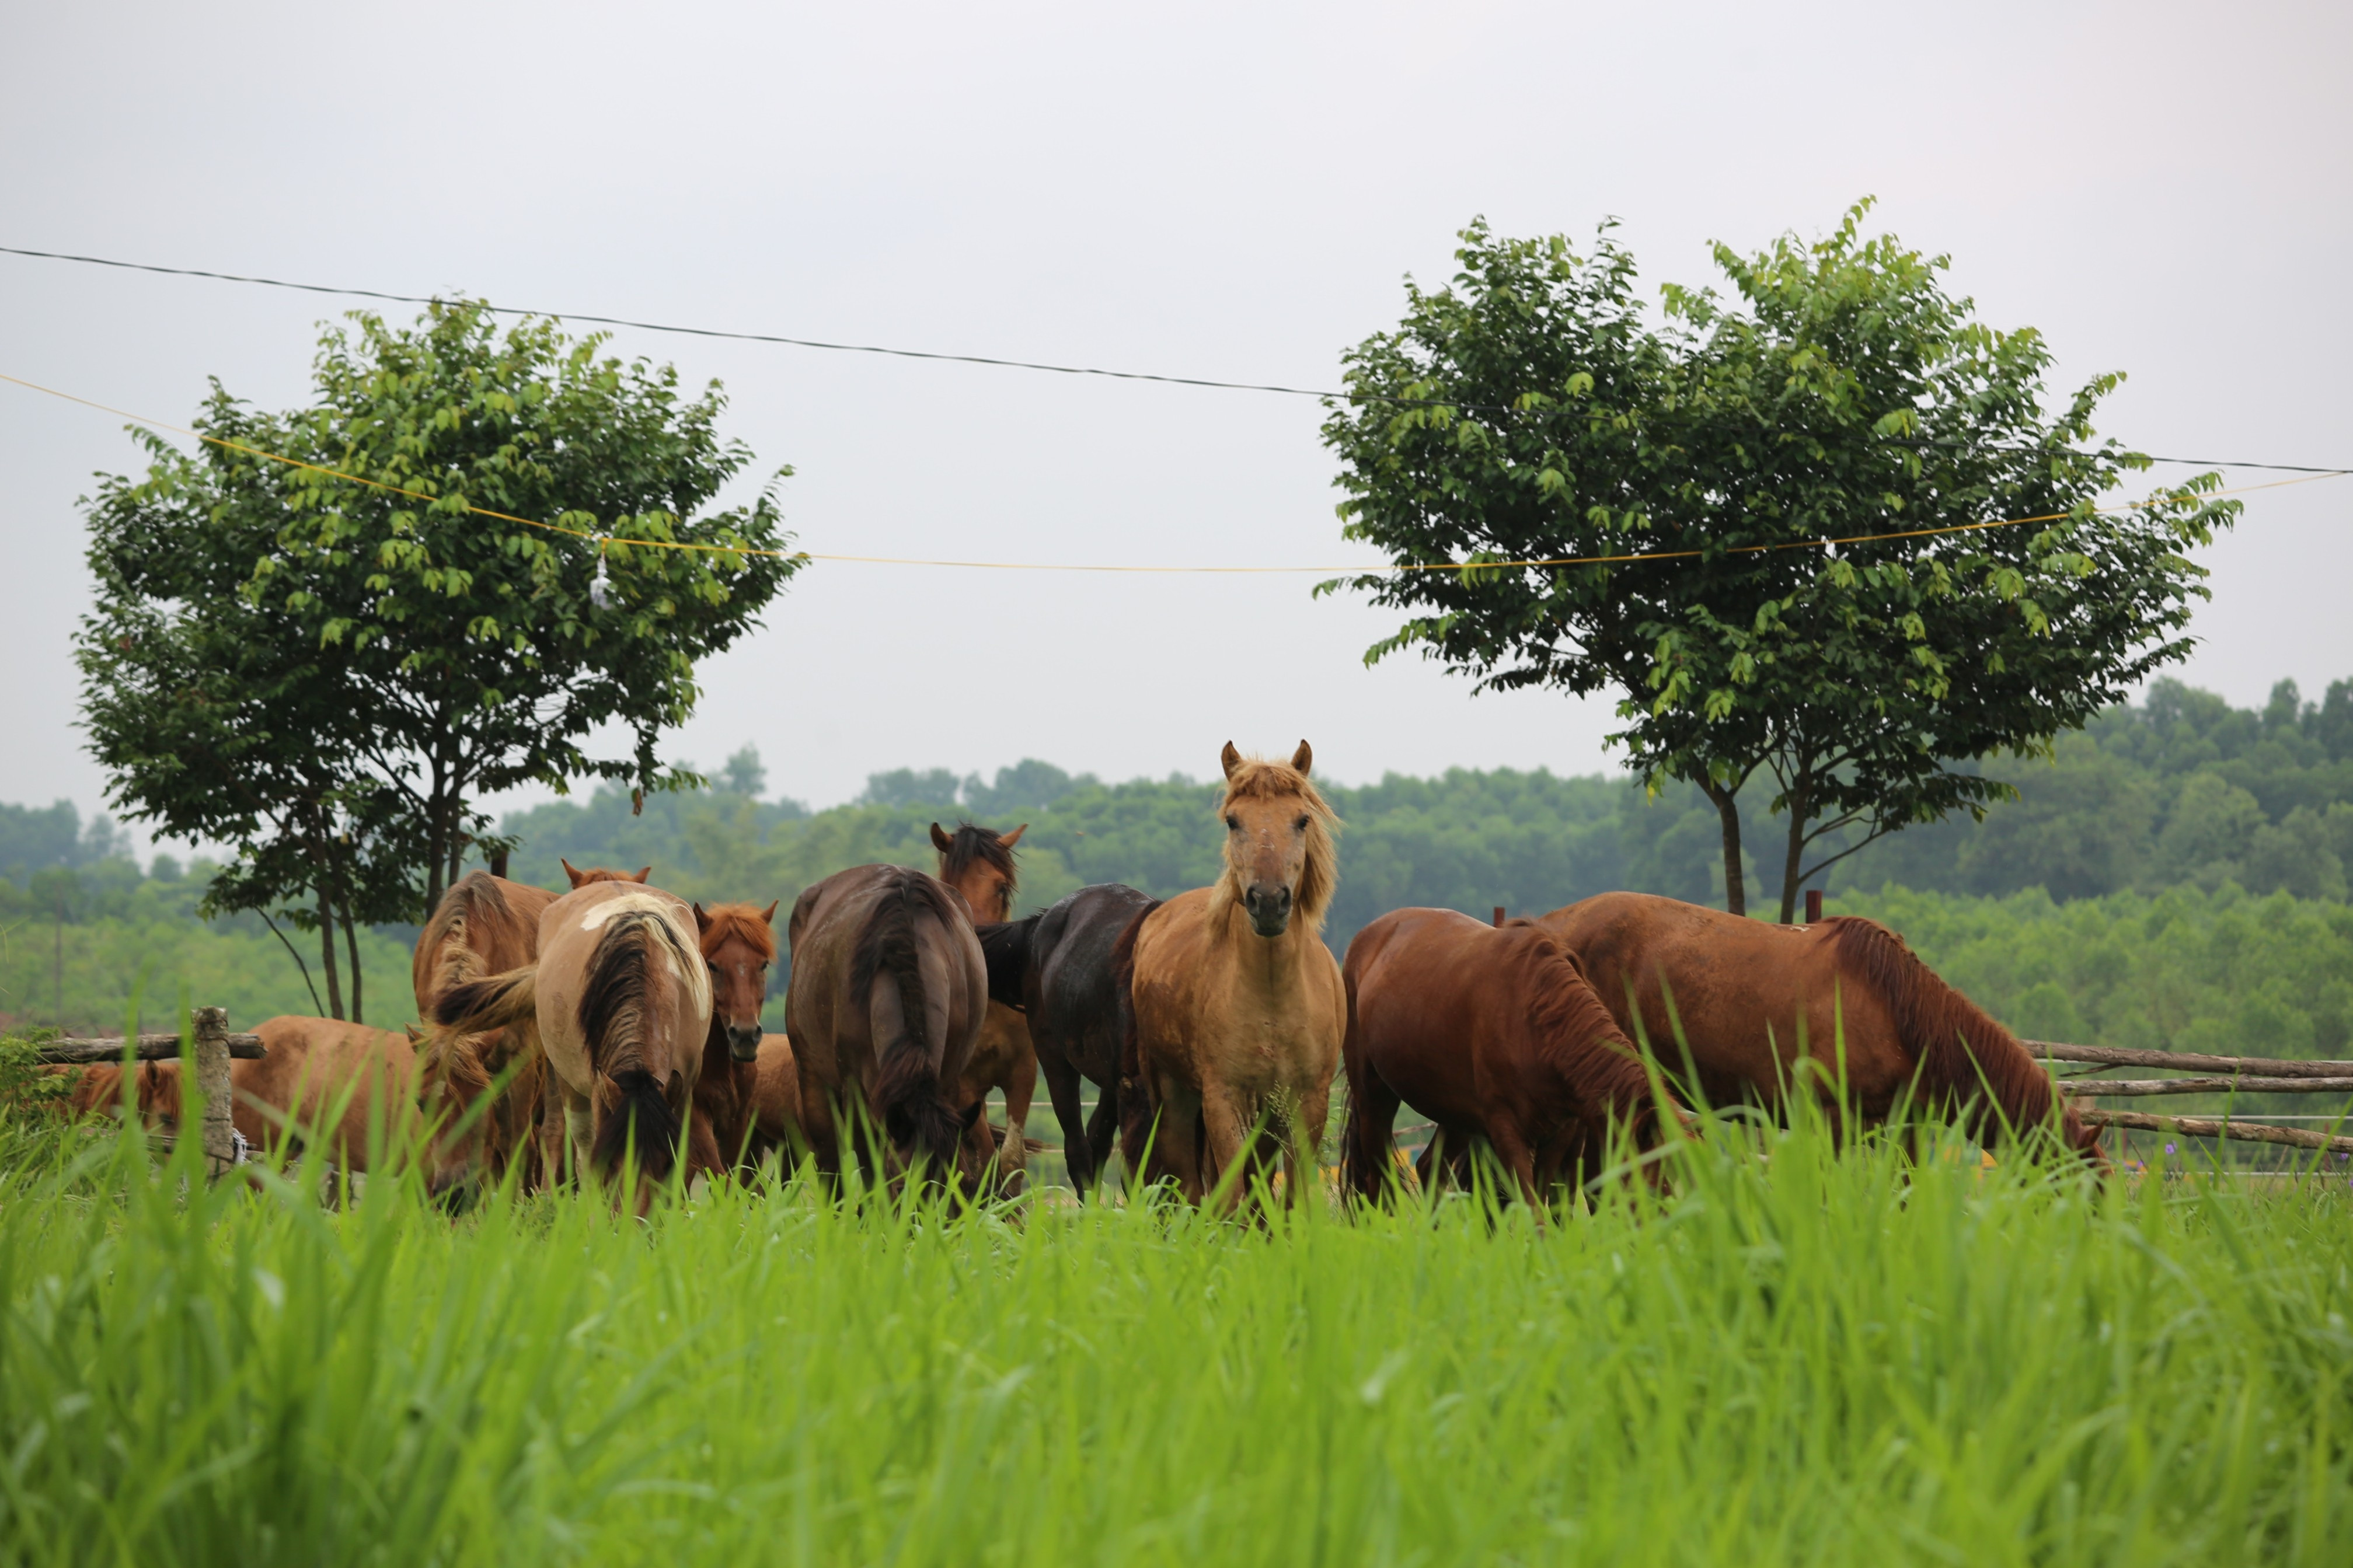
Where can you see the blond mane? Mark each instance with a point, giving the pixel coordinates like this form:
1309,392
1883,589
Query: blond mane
1256,778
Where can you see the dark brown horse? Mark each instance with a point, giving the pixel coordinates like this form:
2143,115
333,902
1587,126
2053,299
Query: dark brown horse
1057,966
887,996
739,944
979,864
620,998
1492,1034
1766,1010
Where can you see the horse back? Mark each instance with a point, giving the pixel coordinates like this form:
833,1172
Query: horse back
621,969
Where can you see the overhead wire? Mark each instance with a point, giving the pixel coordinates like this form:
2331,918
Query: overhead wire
1047,368
606,541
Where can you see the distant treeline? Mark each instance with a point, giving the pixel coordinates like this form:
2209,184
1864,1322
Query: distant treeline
2182,792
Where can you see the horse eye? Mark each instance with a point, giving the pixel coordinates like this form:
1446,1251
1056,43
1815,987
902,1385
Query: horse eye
1234,824
1299,825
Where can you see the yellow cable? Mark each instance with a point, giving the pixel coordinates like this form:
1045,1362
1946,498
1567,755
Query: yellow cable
603,540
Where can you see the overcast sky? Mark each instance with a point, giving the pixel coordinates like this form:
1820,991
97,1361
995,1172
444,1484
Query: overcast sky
1233,192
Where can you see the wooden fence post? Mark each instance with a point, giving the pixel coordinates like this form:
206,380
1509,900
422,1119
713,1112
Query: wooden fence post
213,1083
1499,914
1813,905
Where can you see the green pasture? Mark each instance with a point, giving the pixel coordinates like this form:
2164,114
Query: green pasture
1800,1357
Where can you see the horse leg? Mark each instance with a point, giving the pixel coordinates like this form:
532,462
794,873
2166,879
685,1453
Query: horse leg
1514,1153
1104,1126
1177,1139
1062,1090
579,1132
1302,1160
1021,1090
1367,1165
1228,1137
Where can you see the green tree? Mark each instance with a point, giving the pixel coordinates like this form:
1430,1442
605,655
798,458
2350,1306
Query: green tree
366,649
1678,483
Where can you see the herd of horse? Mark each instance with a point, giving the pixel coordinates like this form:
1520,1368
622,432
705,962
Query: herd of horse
616,1027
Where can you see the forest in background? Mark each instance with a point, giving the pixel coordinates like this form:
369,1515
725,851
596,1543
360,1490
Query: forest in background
2174,877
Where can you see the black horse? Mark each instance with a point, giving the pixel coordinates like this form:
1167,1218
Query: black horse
1057,966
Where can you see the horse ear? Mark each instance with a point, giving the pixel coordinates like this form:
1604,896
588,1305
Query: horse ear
643,872
415,1034
702,920
940,840
1010,839
768,915
573,873
1230,758
1302,757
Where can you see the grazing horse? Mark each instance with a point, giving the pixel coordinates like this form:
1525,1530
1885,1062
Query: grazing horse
1057,966
620,999
1233,1007
979,864
346,1089
1750,999
1492,1032
483,925
739,944
887,996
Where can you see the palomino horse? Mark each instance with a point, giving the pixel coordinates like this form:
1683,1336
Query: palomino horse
979,864
621,1001
1234,1006
738,945
1749,999
888,993
1057,966
1490,1033
345,1089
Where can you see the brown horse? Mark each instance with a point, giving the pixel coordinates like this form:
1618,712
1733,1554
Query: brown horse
1234,1009
345,1089
1490,1033
979,864
620,999
483,926
739,944
887,996
1846,994
581,879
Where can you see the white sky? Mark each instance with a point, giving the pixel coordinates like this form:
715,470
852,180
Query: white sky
1229,191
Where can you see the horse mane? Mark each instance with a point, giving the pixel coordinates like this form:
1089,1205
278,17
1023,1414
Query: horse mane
1257,778
971,843
615,1003
907,1081
720,922
1577,1037
1962,1054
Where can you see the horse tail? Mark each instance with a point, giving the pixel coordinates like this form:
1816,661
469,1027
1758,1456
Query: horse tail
1579,1039
616,1020
1137,1103
494,1001
1961,1054
644,1120
907,1090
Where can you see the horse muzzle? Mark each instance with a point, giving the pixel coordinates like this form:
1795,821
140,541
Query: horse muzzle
1268,907
743,1043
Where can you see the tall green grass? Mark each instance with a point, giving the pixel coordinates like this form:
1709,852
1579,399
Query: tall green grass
1803,1356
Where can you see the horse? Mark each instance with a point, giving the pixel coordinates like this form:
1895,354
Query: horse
1492,1033
345,1089
1056,967
1233,1008
979,864
620,999
738,944
887,996
1749,1000
580,879
483,925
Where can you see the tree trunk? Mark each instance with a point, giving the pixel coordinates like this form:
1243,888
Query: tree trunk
1795,861
327,956
1727,807
352,945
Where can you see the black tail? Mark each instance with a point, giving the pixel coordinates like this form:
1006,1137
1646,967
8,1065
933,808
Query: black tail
1136,1106
907,1090
643,1120
1007,948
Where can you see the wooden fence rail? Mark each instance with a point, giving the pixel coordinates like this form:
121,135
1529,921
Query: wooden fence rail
149,1049
213,1047
2185,1061
2100,1088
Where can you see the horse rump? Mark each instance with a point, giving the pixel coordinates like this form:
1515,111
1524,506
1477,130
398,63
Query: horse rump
907,1090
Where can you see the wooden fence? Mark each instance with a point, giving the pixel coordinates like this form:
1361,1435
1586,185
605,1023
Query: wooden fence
214,1046
2206,1075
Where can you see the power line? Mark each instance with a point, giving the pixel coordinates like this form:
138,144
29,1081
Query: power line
917,353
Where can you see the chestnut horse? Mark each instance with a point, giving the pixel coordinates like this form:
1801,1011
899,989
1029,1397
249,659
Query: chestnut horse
1845,993
1057,966
739,944
1233,1007
620,999
887,996
346,1089
1490,1033
979,864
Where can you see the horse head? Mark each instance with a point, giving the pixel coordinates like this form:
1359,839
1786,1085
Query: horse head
1279,853
979,863
739,943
